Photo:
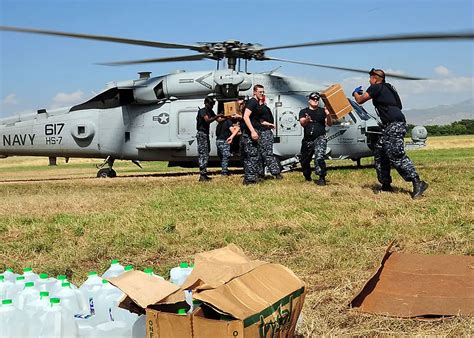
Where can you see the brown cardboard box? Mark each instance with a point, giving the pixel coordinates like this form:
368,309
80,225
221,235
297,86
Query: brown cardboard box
240,298
231,108
424,286
336,101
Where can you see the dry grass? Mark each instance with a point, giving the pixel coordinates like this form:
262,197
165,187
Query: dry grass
332,237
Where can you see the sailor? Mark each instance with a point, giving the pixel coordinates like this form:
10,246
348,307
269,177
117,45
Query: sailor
314,120
250,136
226,131
390,148
204,118
267,158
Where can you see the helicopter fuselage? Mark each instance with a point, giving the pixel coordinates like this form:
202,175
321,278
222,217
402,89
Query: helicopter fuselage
154,119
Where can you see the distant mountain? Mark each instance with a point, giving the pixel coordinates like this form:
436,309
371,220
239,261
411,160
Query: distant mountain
440,115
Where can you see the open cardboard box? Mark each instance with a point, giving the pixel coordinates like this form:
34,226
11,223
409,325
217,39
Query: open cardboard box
240,298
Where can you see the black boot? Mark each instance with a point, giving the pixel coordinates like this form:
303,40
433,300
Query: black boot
204,178
419,188
321,180
386,187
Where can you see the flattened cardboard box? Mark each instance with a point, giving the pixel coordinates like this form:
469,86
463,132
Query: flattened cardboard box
336,101
411,285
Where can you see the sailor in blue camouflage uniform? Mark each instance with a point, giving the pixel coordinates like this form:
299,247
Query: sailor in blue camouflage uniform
204,118
390,148
250,135
267,158
226,130
314,120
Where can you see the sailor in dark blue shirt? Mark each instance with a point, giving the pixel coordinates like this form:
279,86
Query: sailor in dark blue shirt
390,148
204,118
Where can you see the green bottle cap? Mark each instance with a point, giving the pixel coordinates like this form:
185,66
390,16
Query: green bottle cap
184,265
43,275
27,269
54,301
66,285
2,277
9,270
44,294
29,284
148,271
128,268
6,301
61,277
105,281
20,278
92,273
182,312
114,261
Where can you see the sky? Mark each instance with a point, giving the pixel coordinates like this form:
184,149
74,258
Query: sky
49,72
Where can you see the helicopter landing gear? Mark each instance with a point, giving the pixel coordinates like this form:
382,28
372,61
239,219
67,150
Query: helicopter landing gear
106,172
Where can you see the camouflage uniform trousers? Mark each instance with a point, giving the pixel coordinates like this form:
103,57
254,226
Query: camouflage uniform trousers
204,146
317,148
390,150
223,150
249,149
267,158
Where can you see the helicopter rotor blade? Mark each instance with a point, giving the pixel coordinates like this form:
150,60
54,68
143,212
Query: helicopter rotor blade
103,38
194,57
363,71
385,38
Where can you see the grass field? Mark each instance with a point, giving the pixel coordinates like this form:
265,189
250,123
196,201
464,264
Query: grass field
62,220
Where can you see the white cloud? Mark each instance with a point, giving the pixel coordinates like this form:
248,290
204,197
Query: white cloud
67,99
10,100
442,70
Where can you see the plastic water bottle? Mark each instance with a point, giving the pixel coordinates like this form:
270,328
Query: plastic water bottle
106,302
14,290
139,327
57,322
72,299
38,305
27,295
5,285
115,269
115,329
178,275
90,289
149,271
12,320
9,275
44,283
29,275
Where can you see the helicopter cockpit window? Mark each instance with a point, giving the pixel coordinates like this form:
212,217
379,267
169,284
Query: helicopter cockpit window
360,111
111,98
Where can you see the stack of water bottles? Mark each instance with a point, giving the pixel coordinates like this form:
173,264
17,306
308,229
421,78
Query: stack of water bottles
35,305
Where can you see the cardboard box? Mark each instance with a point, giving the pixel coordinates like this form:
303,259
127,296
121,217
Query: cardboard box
423,286
240,298
231,108
336,101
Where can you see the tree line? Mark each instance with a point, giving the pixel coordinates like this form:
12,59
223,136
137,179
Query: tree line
463,127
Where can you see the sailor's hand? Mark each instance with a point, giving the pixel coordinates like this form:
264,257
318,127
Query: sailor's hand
254,135
308,118
229,140
358,90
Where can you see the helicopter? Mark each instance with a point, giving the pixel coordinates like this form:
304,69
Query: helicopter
153,118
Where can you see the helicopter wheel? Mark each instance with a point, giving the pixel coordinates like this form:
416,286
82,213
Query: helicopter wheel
106,172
